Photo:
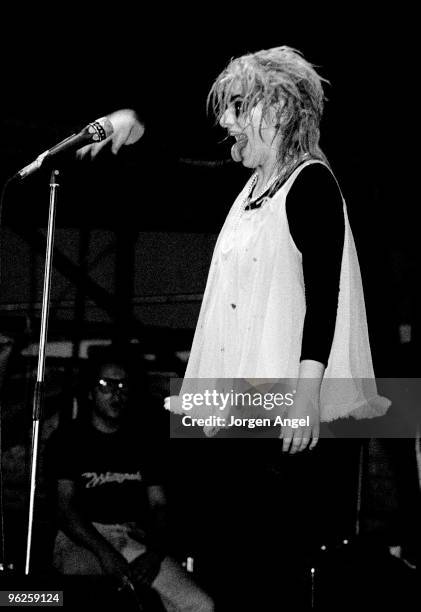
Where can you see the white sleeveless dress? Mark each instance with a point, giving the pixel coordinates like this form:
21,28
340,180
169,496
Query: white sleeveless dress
251,320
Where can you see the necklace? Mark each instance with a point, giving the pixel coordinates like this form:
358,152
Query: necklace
245,200
236,213
241,206
265,188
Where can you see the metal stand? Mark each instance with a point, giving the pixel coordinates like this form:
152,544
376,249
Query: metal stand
361,465
39,385
314,570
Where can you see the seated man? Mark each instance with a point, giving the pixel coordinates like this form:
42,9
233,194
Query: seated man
111,505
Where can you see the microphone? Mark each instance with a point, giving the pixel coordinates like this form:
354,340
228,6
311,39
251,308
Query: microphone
94,132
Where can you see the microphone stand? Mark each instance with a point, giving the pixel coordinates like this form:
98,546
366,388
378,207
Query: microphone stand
38,400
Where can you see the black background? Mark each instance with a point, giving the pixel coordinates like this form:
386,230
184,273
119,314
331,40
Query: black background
62,72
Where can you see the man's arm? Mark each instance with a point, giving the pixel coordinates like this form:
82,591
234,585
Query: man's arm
6,346
82,532
158,537
146,567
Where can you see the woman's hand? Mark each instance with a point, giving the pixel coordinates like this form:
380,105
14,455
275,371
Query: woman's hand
127,129
173,404
307,407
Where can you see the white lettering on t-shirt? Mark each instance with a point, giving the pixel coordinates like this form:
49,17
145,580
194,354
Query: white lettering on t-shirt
95,480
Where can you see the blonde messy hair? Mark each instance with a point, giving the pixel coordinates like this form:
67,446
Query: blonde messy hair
280,79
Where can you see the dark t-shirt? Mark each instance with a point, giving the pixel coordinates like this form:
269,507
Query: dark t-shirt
110,470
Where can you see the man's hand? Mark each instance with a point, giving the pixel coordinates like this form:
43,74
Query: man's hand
6,344
306,406
127,129
145,568
115,565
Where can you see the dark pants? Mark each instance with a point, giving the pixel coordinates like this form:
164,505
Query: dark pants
262,515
